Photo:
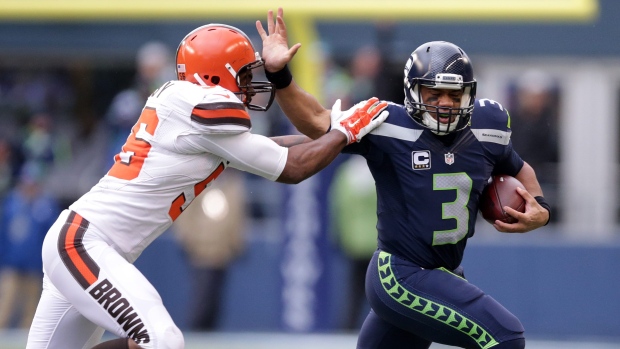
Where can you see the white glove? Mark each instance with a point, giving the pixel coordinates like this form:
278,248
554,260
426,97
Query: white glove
360,119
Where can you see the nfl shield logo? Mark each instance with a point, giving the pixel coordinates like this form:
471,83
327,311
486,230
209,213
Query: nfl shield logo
449,158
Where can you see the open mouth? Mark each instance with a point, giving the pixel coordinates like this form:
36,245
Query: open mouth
445,118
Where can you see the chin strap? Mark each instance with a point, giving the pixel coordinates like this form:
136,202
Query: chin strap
435,126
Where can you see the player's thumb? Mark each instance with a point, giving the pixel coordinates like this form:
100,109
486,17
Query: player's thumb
293,50
336,107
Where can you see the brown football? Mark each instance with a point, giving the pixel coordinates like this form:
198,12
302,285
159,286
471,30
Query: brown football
500,192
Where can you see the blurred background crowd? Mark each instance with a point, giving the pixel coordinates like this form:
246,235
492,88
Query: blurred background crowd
254,255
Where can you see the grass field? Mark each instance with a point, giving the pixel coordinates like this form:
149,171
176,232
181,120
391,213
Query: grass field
17,340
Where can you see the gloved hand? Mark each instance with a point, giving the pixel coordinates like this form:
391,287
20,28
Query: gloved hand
360,119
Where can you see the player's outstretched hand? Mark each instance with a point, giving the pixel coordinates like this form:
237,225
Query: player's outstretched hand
360,119
276,52
535,216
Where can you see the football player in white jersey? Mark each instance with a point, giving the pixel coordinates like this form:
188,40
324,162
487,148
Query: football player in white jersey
189,131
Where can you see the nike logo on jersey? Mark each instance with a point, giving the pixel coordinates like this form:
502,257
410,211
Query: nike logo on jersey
112,300
219,94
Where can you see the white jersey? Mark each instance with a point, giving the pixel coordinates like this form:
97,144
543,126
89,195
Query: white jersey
185,137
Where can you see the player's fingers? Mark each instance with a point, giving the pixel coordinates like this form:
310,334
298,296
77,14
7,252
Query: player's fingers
375,110
381,105
507,228
270,24
513,213
281,26
370,103
381,117
261,30
525,194
500,226
281,18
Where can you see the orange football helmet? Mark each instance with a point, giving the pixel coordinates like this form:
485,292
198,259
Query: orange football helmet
220,54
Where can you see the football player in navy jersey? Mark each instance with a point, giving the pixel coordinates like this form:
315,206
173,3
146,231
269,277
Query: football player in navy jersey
430,159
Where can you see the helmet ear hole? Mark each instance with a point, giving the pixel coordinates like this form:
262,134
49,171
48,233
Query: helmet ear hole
215,80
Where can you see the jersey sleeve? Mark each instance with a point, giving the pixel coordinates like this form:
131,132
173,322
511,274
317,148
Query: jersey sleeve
511,164
245,151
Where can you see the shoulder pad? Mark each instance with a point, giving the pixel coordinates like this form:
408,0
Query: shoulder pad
221,112
399,116
490,114
398,125
490,122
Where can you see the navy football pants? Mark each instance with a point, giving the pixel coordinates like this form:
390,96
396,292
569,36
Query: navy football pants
413,307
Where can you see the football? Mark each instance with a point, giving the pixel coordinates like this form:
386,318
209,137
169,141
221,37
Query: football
501,191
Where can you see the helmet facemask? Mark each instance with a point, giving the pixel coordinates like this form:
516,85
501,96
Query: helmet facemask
248,89
423,113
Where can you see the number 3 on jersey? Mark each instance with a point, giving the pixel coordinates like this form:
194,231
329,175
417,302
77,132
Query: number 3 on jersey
456,210
129,162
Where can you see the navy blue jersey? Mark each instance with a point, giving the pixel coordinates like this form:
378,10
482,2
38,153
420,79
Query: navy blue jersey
428,186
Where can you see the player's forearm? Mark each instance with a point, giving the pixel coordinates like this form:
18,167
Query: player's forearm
527,176
304,110
305,160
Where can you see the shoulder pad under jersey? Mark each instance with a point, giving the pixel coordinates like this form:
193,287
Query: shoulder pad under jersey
220,112
490,122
